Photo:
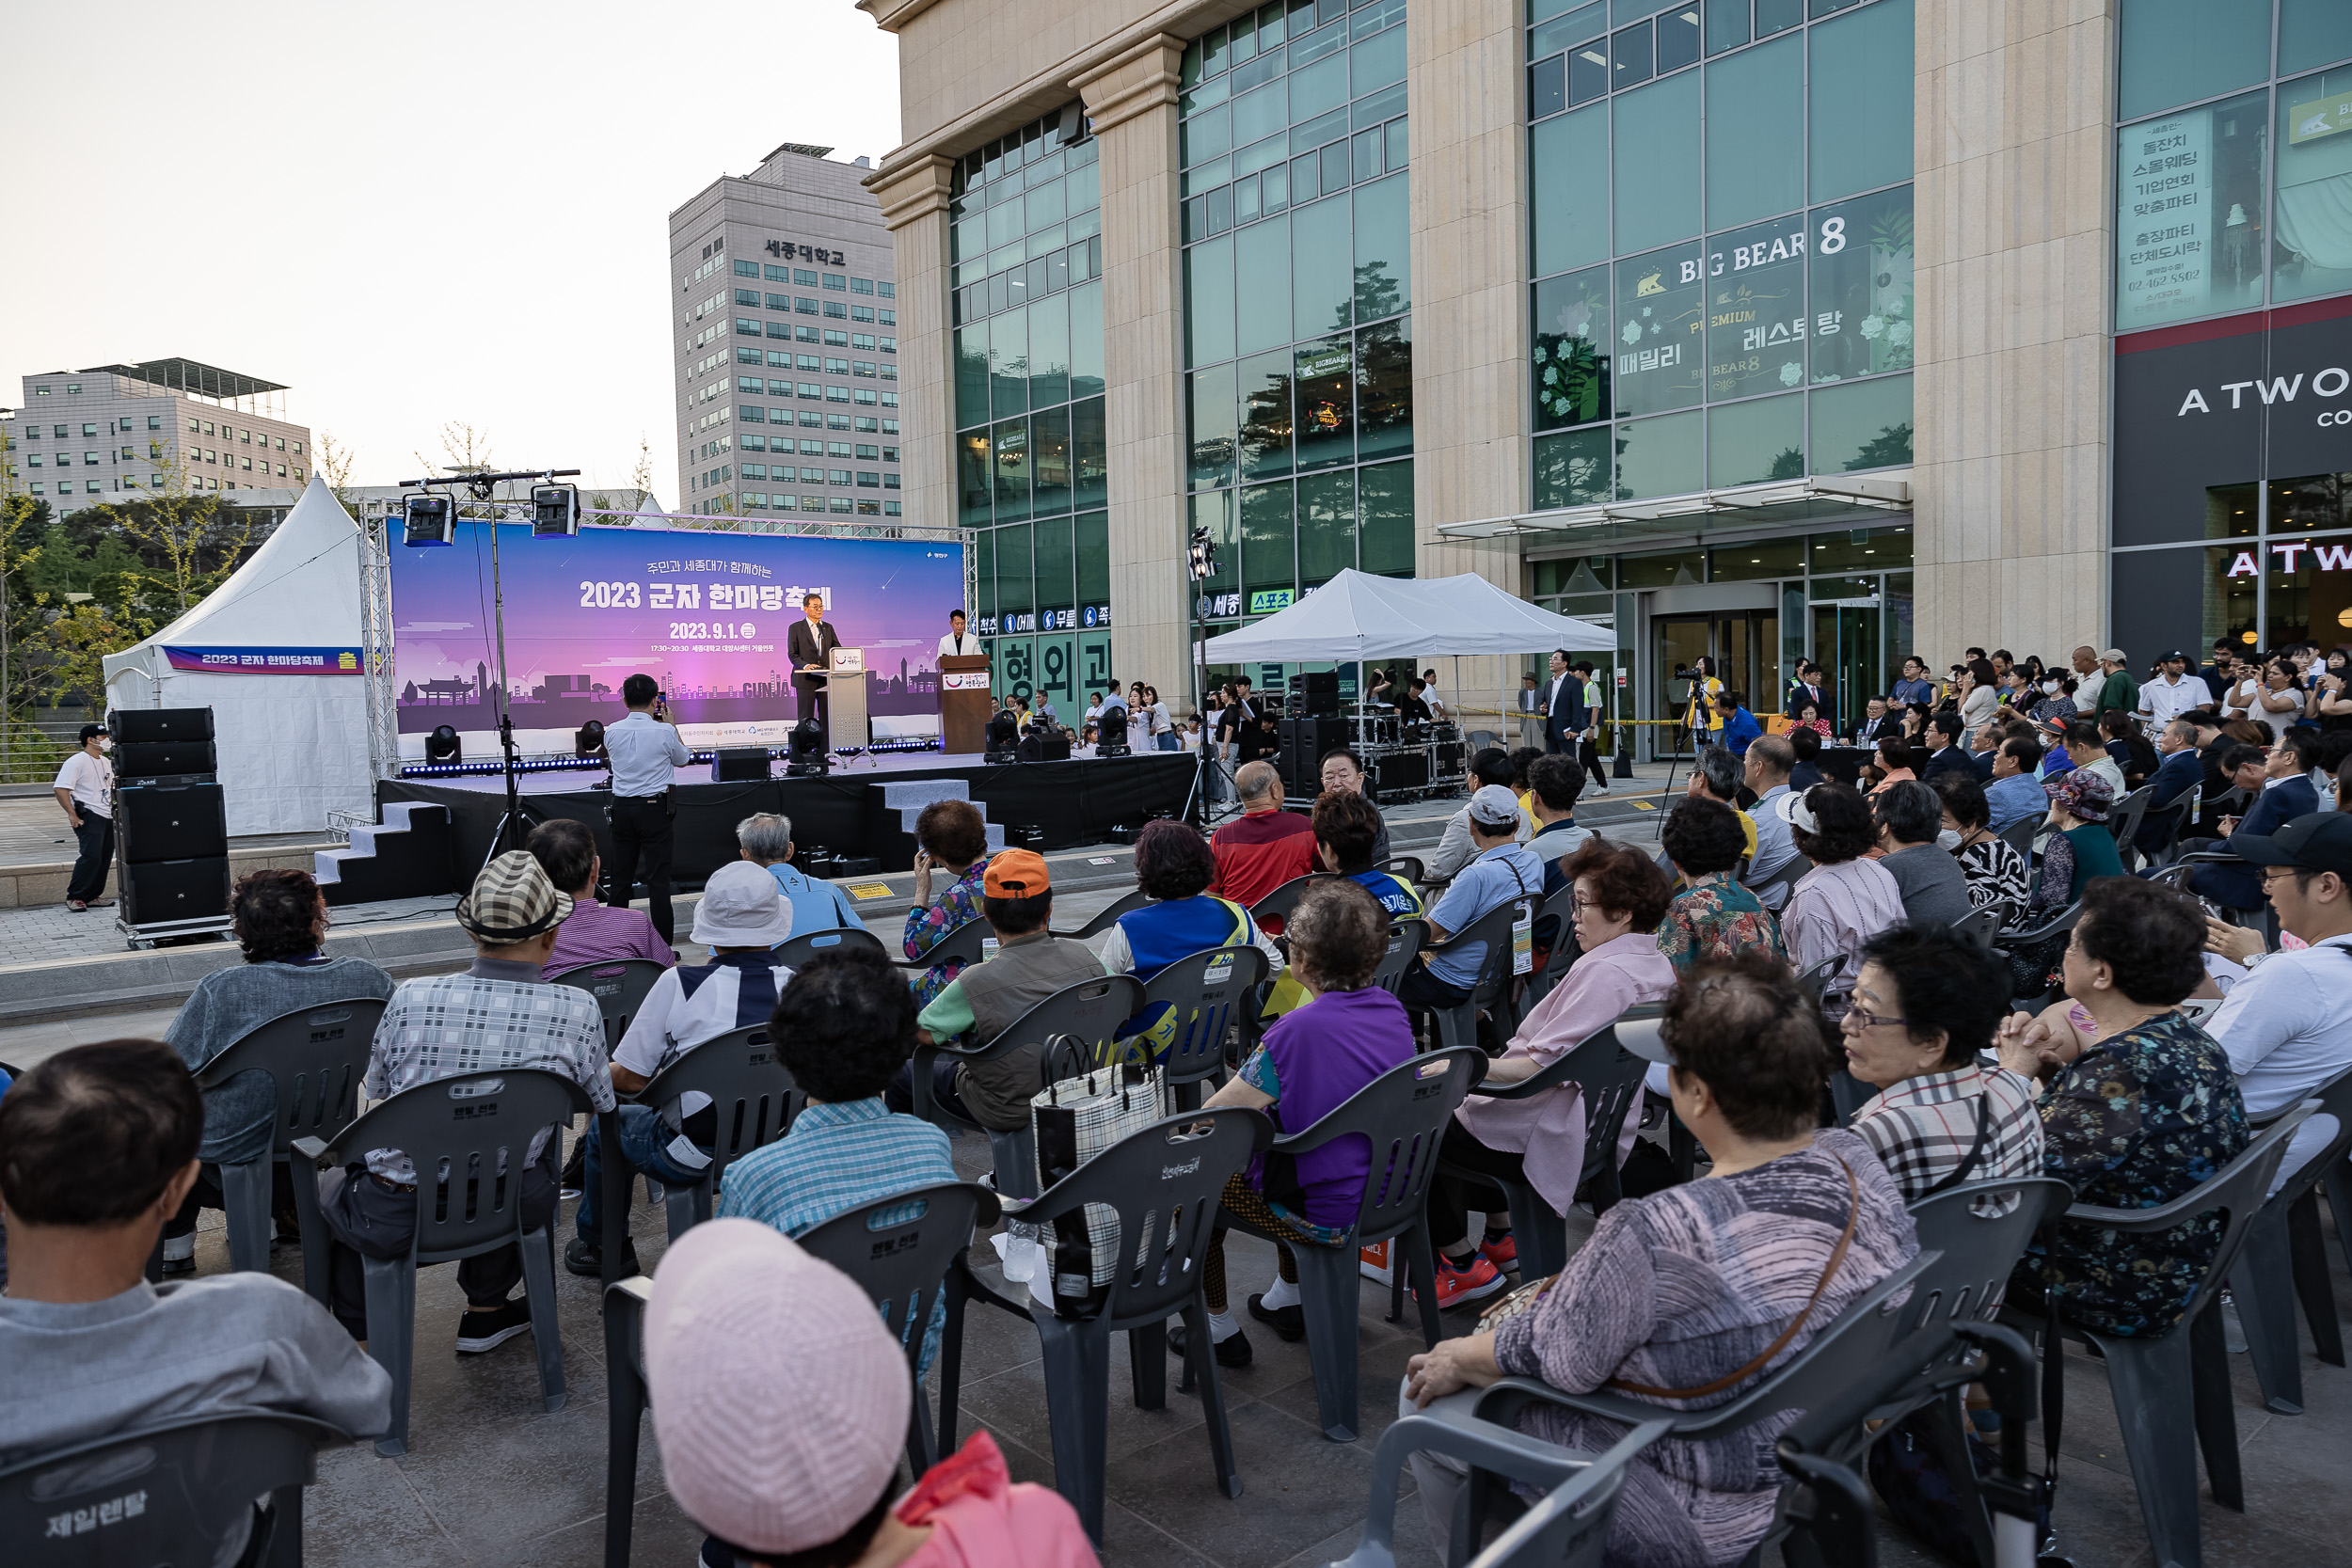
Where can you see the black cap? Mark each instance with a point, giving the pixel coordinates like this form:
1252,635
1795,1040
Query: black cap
2321,841
2175,654
90,730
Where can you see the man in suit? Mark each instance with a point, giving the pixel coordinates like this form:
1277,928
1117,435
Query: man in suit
1561,699
810,648
1808,686
2286,794
1874,719
1949,755
2180,772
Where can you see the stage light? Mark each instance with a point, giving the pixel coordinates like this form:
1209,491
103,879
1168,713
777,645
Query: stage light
1201,556
589,742
442,745
554,510
427,520
805,754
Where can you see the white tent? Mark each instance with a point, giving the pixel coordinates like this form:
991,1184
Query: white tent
274,652
1356,616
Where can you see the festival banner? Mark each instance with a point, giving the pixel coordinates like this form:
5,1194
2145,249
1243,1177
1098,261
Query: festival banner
266,661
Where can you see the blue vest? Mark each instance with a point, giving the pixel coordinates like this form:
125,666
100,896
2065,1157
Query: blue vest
1395,896
1158,934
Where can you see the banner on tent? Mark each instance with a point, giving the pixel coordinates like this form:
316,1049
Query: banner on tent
267,661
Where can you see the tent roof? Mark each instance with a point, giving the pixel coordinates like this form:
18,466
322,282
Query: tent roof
1358,616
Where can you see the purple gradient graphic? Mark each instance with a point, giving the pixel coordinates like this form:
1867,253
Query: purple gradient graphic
705,614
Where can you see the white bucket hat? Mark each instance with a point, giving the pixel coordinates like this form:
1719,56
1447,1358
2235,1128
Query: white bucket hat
742,907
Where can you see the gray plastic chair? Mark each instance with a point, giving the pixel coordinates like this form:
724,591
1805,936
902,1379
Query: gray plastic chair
1401,1117
315,1058
1491,991
466,1135
1814,981
2013,942
1978,928
753,1098
1787,877
2269,1275
792,952
1210,993
1161,1186
2123,820
1560,908
2154,1378
1278,904
1107,917
2020,834
174,1495
1406,938
1408,866
620,987
965,945
625,1408
1568,1528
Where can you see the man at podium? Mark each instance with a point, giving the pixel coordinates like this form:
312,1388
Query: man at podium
958,641
810,648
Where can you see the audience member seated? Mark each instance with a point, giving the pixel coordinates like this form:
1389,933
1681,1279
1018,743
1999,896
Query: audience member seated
2178,771
1996,872
2142,1115
593,933
1769,773
766,839
780,1407
1927,1003
1554,782
1455,849
1949,755
1346,827
1712,916
950,836
1846,899
1174,867
1806,771
741,919
1343,770
1346,1034
500,1013
1621,895
1503,869
1806,714
2015,791
1030,964
1716,777
2119,734
1264,846
98,1149
2239,764
281,921
1680,1298
1910,820
1896,762
843,1027
2078,847
2086,751
2286,794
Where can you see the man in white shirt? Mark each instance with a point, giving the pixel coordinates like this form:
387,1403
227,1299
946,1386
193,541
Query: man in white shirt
958,641
1769,761
85,789
645,752
1429,695
2172,694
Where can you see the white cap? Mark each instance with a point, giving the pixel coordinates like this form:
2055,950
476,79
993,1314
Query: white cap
1794,811
1494,806
742,907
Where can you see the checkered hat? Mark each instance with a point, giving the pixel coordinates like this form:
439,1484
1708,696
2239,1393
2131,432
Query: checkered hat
512,901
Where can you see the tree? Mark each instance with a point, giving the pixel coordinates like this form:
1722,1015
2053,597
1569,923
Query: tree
23,521
331,461
72,649
188,543
466,450
636,497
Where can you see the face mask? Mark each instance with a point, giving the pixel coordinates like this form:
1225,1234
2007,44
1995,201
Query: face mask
1948,839
2050,688
105,743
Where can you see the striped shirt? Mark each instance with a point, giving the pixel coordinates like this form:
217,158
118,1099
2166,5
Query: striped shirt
1922,1127
1832,911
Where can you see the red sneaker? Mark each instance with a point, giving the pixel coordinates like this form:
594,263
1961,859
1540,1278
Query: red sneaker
1457,1286
1503,1254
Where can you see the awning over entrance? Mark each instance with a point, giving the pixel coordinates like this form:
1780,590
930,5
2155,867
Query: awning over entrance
1785,501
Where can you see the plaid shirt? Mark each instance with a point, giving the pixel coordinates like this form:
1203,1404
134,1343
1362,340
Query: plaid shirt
1923,1127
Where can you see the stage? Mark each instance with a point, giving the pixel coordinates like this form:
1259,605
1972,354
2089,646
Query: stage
1074,803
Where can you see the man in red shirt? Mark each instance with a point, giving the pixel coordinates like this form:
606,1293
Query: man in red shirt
1265,845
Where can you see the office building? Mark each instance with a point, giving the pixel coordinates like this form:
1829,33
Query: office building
786,320
1758,328
116,432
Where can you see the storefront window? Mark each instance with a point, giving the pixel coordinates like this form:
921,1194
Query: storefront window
1655,164
1659,457
2190,213
1864,424
2179,51
1760,557
2230,511
1749,443
2309,505
1861,312
2312,233
1859,98
1662,569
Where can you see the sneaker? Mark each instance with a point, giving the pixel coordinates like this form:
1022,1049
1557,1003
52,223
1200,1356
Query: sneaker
101,903
1231,1351
1457,1286
485,1331
585,1258
1288,1322
77,904
1600,789
1503,1254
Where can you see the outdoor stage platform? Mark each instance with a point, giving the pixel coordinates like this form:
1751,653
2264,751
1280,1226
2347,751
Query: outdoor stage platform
1074,803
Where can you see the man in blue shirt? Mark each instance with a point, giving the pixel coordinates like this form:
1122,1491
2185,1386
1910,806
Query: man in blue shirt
1502,870
766,839
2016,790
1770,761
1739,725
1915,686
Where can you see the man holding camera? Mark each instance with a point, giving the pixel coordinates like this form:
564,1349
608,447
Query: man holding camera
645,751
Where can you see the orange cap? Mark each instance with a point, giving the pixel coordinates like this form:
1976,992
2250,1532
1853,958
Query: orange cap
1015,874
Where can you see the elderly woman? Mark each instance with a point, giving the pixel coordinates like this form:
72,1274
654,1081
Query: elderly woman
1174,867
1714,917
2133,1119
1897,761
1845,899
1927,1003
950,836
1996,873
2078,847
1620,896
1806,714
1683,1297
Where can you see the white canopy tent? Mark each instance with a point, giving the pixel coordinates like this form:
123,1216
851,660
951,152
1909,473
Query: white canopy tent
291,745
1356,616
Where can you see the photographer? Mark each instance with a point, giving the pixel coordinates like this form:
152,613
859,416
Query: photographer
645,752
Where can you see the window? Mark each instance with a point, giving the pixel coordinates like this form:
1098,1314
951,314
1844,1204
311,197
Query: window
91,458
777,274
780,329
746,327
753,441
811,420
810,362
888,291
836,280
890,427
749,384
838,476
890,481
865,395
861,312
747,269
750,414
804,305
89,430
867,453
836,421
840,503
835,340
888,318
862,339
889,345
838,311
836,394
777,361
747,298
781,303
837,367
37,486
836,448
803,277
860,285
805,335
808,390
863,367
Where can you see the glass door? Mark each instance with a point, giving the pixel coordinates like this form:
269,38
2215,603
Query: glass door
1678,642
1846,646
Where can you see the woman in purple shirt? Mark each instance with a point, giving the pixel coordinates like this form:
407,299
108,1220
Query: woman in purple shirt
1347,1033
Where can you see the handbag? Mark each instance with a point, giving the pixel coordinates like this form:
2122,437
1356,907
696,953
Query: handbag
1073,1119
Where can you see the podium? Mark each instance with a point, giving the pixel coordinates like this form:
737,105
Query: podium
846,720
964,703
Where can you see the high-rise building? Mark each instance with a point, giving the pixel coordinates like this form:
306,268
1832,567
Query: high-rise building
115,433
787,321
1764,329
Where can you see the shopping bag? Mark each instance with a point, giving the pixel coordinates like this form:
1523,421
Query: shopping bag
1073,1119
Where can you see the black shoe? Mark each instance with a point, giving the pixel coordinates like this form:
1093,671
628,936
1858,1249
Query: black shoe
485,1331
1232,1351
1288,1322
585,1258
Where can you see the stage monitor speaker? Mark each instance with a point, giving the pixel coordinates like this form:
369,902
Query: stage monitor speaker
141,724
163,759
1310,739
171,822
157,890
1315,693
1401,771
739,764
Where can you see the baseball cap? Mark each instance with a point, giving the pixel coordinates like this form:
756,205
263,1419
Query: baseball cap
2175,655
1015,874
2116,655
1495,806
1792,810
512,901
742,907
2319,841
780,1399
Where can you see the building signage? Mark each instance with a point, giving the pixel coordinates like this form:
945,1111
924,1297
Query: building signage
787,249
2326,385
1265,601
2163,200
2321,116
266,661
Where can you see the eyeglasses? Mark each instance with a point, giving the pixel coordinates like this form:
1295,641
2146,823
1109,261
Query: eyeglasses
1864,1018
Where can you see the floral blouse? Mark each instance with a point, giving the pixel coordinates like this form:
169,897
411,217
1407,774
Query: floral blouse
2136,1121
1715,915
927,928
1996,874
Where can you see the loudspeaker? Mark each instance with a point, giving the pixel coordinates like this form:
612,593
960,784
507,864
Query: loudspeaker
1317,694
1402,770
163,759
175,890
739,764
171,822
857,865
813,860
136,724
1024,835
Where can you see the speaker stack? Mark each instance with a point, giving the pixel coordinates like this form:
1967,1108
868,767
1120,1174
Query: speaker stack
1305,742
171,828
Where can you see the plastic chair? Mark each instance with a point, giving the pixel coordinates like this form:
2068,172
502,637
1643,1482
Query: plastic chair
1787,877
1161,1186
1815,980
1568,1528
2020,834
315,1057
1458,1025
965,945
1210,992
1609,1077
619,987
1406,938
1127,903
1408,866
2154,1378
2273,1270
1401,1117
1278,904
1978,928
793,952
2124,817
1559,909
467,1136
174,1495
625,1408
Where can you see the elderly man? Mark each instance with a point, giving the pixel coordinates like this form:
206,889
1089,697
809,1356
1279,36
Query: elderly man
2286,794
2173,693
1717,778
2086,680
2015,792
1454,850
1503,869
2180,772
766,839
1344,772
1874,720
591,934
1264,846
1770,761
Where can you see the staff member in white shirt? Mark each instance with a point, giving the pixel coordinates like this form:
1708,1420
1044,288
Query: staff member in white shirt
2173,694
644,751
958,641
85,789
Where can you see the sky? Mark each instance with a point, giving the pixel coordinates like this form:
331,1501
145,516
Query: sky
410,215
